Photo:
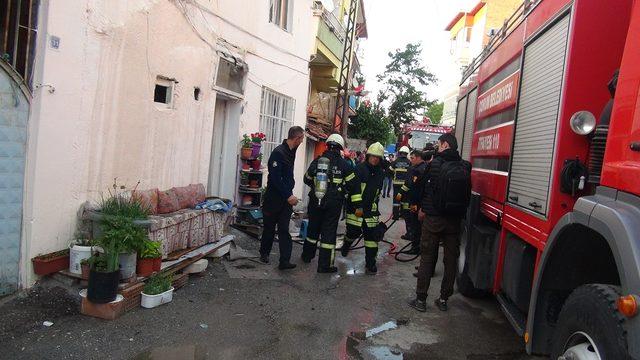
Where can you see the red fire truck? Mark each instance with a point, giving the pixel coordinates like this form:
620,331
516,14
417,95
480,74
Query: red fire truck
553,132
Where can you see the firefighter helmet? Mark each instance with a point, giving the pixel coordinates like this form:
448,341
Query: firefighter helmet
336,139
404,150
376,149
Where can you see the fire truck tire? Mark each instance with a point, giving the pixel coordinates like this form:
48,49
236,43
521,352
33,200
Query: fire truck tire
590,325
465,286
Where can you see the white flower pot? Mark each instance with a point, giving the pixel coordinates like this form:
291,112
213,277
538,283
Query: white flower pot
151,301
77,253
127,265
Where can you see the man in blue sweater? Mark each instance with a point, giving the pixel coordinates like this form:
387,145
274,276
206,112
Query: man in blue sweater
279,200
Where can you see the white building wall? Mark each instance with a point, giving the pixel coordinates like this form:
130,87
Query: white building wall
101,123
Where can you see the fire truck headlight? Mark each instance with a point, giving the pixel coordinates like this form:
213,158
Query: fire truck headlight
583,122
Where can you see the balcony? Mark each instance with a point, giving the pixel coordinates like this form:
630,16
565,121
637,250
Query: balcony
329,47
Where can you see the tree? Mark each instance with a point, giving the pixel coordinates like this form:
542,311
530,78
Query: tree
434,112
370,123
405,80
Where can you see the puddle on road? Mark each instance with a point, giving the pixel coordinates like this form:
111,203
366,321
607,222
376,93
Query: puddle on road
383,352
185,352
374,351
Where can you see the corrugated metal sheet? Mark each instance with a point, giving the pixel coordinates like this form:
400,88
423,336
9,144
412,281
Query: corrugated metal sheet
537,118
469,124
14,112
460,116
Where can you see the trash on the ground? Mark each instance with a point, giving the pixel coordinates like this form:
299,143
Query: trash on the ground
197,267
204,326
47,323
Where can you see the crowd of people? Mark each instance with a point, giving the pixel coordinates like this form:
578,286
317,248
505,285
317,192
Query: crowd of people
431,192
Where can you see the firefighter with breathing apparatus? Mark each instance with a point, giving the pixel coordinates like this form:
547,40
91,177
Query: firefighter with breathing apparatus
399,169
364,219
330,178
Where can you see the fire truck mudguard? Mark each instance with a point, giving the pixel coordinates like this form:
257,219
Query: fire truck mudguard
597,243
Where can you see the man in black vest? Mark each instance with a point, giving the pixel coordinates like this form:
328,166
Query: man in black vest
279,200
439,225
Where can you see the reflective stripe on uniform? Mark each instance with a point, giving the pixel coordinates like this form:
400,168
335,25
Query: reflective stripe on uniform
352,219
405,206
313,241
398,182
356,197
337,180
350,177
370,244
371,222
405,188
327,246
401,170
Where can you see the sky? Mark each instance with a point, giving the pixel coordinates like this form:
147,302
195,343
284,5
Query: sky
393,23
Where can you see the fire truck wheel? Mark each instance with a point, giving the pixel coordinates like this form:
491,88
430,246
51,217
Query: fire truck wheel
590,326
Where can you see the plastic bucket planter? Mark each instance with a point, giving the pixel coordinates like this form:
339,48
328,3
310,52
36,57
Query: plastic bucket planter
127,265
151,301
77,253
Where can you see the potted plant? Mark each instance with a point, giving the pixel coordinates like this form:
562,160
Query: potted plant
104,272
257,163
79,250
149,259
51,263
157,291
85,267
247,149
119,215
256,144
246,166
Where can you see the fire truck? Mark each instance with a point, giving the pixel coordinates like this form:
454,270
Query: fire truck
549,117
418,133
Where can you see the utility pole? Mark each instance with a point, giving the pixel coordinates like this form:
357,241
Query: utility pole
341,118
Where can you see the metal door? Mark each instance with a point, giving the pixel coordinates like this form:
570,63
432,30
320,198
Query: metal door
542,74
14,112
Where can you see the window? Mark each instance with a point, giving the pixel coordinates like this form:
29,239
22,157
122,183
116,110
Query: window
230,77
163,92
276,117
18,22
280,13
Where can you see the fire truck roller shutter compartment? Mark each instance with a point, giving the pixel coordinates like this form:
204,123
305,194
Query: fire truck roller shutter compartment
469,125
460,117
537,116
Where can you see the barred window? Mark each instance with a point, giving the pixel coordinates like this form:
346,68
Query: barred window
276,117
18,23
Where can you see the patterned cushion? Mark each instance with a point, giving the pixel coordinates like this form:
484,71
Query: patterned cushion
185,197
199,192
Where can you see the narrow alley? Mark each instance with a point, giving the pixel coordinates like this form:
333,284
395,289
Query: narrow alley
247,310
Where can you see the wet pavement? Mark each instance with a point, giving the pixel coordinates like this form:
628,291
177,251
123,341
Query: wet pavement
247,310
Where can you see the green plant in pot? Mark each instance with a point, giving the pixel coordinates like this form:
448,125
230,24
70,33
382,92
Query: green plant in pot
157,291
246,147
149,258
120,212
104,273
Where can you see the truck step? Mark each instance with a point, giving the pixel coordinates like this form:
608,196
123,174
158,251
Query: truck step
516,317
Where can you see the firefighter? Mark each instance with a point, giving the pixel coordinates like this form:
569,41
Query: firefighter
399,169
410,195
365,217
330,178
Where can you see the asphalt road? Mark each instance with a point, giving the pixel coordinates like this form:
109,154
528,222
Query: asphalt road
247,310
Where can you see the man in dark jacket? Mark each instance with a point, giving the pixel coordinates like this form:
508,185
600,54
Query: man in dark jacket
326,201
437,228
410,195
279,200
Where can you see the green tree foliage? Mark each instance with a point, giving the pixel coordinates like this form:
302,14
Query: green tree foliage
434,112
370,123
404,81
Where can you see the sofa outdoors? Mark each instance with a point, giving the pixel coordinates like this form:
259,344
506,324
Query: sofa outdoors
174,221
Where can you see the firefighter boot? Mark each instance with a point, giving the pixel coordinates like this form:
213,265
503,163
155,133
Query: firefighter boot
370,253
326,255
308,250
346,246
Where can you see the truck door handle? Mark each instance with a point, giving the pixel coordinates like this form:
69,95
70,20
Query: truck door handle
535,205
513,198
635,146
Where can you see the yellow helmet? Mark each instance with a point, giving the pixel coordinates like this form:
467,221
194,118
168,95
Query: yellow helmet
405,150
336,139
376,149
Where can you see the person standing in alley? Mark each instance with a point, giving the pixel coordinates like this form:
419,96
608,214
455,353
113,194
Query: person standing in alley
331,179
399,168
387,185
446,196
410,197
279,200
364,217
